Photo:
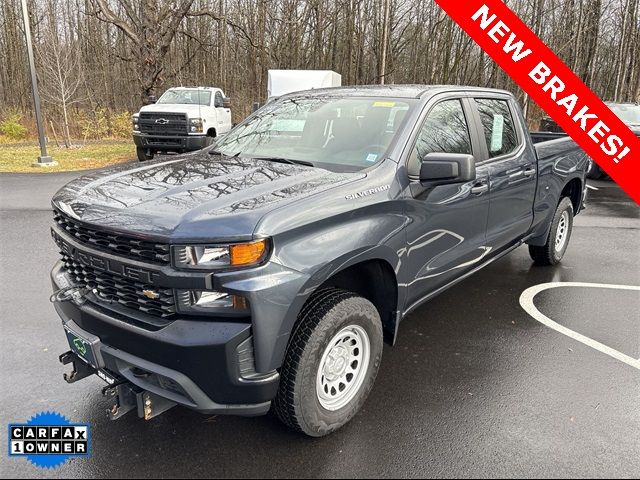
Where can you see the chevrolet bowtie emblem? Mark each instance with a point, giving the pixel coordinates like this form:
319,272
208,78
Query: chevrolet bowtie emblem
162,121
151,294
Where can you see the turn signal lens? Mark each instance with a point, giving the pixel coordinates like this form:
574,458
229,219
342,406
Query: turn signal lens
247,253
216,257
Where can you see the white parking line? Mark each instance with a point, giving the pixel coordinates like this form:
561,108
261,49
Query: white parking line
526,301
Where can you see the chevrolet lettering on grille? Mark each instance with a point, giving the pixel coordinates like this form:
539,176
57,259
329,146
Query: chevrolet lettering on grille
85,258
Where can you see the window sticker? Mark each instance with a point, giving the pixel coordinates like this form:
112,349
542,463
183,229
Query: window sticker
372,157
288,125
385,104
497,132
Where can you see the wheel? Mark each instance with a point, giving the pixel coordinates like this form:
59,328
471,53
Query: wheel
143,155
331,362
551,253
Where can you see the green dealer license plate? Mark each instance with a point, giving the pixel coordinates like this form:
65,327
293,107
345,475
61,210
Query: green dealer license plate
81,347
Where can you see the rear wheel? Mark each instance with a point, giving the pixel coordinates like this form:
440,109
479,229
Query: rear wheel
553,250
143,155
331,363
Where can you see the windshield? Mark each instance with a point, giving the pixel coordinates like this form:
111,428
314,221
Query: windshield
348,133
628,113
185,97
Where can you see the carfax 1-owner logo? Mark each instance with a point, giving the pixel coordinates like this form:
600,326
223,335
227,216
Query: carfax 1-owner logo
48,440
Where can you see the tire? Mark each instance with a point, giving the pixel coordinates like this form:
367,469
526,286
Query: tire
142,154
308,400
553,250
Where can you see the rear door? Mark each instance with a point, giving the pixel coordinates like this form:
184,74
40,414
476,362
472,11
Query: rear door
512,166
446,224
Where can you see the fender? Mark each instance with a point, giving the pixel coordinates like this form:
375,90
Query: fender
373,232
319,277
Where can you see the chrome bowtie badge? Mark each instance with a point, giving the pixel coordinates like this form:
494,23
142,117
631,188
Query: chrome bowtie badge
151,294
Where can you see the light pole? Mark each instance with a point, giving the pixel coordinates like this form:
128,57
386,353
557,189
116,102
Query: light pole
44,160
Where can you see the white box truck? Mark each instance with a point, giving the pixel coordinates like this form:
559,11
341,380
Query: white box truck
281,82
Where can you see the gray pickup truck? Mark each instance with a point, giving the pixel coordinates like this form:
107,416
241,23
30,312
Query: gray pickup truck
266,271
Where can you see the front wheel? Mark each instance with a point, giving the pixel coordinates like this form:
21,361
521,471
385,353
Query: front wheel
553,250
143,155
331,363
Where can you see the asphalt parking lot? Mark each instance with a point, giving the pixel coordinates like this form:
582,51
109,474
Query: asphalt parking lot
475,386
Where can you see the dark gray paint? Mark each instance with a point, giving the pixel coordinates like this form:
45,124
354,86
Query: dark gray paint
430,237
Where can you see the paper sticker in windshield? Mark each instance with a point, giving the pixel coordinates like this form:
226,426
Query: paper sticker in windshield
372,157
385,104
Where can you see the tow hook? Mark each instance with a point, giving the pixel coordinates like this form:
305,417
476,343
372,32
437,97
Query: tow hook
124,399
128,397
80,369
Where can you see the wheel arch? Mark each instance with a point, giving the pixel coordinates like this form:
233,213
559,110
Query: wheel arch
375,280
572,188
378,261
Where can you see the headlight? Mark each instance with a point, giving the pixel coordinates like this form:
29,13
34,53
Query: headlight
196,125
134,121
205,257
209,301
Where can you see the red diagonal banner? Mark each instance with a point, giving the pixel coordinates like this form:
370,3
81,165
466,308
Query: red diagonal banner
553,86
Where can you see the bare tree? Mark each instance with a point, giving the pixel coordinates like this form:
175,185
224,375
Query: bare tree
151,27
60,75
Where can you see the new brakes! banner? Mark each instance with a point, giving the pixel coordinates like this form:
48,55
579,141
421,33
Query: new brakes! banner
553,86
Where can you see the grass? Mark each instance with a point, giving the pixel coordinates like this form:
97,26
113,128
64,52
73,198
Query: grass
18,158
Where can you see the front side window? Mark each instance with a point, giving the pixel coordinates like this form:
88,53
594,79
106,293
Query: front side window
185,97
339,133
219,100
498,125
445,130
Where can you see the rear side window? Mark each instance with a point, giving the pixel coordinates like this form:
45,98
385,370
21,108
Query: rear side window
498,125
445,130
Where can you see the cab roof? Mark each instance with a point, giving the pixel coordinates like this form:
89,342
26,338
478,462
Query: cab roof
397,91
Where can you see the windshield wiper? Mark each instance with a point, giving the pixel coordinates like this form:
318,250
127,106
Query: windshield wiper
285,160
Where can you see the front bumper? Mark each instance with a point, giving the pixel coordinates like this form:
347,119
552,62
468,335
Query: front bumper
201,364
161,143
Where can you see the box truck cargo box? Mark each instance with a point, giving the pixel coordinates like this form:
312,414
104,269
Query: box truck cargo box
282,82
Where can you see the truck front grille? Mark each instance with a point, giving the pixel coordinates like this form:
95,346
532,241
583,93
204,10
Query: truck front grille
112,288
159,123
114,243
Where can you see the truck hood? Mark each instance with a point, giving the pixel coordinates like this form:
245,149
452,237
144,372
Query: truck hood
192,111
191,197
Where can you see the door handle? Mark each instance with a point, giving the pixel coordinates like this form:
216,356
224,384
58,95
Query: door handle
529,172
480,188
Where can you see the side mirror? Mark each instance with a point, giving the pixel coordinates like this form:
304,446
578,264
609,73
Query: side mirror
226,102
152,99
447,168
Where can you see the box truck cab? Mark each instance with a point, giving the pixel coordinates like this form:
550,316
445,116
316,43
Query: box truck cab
181,120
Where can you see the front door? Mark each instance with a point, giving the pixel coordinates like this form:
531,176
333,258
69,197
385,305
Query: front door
446,223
